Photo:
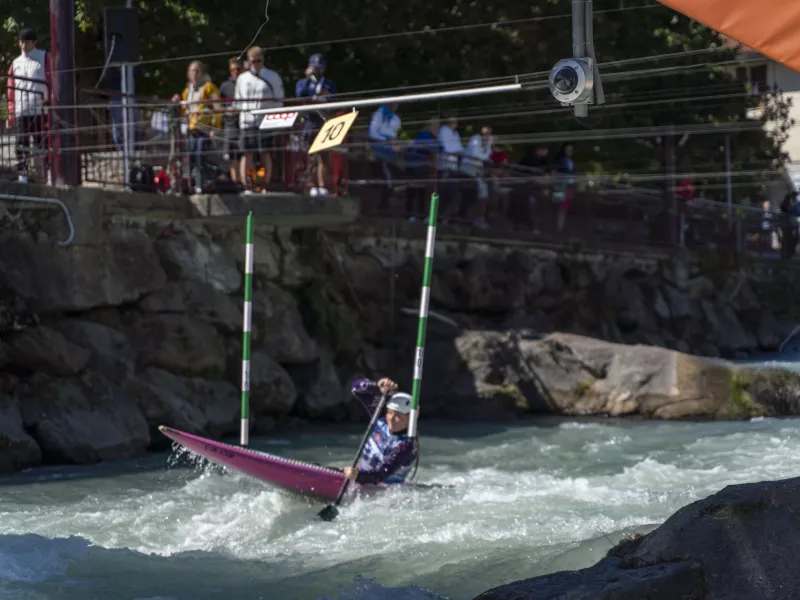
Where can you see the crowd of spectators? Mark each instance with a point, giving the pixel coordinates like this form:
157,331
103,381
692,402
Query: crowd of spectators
217,125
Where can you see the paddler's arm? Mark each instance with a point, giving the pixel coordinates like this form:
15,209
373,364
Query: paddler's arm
401,455
369,392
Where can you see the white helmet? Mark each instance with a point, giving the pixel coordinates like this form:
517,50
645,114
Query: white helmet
400,402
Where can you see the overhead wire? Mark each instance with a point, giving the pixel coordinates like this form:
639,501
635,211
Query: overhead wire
364,38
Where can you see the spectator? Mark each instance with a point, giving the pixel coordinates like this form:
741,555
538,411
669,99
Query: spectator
449,161
383,129
499,170
420,160
536,159
198,102
685,191
474,165
789,229
29,85
256,88
769,235
230,121
565,183
317,88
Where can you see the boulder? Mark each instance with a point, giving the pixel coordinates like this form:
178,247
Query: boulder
110,351
190,404
177,343
197,300
738,544
115,272
14,312
295,269
187,256
266,252
576,375
46,350
320,394
732,337
607,580
281,331
82,419
272,391
18,450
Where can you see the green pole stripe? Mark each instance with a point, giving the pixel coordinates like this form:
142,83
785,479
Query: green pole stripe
425,294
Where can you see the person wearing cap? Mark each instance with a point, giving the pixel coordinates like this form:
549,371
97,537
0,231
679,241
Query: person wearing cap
29,84
317,88
389,454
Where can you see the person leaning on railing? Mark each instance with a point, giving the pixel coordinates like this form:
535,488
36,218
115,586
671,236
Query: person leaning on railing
29,84
199,102
230,120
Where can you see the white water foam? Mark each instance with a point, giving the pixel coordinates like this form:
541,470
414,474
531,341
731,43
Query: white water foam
522,501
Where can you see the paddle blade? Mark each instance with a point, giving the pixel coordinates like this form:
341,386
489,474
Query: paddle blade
329,513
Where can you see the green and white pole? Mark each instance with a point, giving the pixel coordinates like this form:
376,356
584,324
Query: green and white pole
424,300
246,329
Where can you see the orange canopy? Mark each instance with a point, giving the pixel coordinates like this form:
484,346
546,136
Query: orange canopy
771,27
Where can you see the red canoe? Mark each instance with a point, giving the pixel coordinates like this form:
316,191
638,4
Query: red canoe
304,478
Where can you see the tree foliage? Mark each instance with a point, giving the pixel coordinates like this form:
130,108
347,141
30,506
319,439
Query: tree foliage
174,30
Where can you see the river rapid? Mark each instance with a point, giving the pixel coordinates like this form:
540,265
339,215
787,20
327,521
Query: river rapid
541,496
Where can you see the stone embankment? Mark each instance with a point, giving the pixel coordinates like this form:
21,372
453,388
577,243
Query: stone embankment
140,325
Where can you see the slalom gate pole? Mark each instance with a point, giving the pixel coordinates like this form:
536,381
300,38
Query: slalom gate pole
424,300
246,329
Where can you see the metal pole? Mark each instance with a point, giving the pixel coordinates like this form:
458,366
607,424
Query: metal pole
65,164
246,329
494,89
579,44
424,300
125,156
130,80
728,183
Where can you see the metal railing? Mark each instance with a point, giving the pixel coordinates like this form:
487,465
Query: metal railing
162,156
162,142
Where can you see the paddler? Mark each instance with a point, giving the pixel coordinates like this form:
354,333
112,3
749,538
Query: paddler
389,454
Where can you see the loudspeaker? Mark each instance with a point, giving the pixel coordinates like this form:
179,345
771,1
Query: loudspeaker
122,25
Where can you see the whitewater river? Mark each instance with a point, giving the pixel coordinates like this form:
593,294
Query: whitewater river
526,500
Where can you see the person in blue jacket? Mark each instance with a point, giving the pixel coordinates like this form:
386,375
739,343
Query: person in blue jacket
390,454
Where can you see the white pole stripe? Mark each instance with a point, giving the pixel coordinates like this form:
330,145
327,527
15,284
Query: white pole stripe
430,242
246,375
423,305
248,259
418,362
248,317
412,423
245,430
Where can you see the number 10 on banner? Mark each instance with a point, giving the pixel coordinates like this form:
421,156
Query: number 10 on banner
333,132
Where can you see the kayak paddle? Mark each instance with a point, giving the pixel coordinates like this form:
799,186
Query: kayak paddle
330,512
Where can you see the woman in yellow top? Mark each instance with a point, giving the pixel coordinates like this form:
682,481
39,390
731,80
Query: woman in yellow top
200,101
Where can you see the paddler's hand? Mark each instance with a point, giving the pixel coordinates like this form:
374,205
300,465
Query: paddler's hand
386,386
351,473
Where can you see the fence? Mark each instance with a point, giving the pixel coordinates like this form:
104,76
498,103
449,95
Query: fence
167,152
164,156
25,142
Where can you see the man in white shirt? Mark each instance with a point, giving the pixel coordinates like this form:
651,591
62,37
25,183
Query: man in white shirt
473,164
29,83
383,128
256,88
449,160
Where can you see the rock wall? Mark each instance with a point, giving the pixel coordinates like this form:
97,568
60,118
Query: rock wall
140,325
701,305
